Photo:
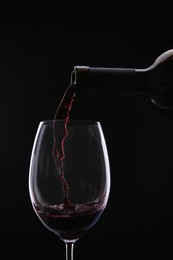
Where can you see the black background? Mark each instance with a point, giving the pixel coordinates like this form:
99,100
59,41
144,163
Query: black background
39,46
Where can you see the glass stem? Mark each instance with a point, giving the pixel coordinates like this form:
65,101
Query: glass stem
69,250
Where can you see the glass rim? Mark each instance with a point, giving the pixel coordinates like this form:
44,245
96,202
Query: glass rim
70,121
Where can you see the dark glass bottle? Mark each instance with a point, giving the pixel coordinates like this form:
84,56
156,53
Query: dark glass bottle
155,82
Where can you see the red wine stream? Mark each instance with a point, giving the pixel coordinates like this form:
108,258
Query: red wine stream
62,112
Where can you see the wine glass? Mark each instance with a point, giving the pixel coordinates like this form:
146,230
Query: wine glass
69,177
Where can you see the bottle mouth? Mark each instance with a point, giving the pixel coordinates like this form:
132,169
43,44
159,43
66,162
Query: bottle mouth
79,74
73,78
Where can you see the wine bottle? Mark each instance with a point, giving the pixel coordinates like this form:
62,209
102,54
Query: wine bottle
154,82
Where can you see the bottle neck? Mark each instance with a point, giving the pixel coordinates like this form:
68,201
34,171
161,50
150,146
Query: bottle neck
123,81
